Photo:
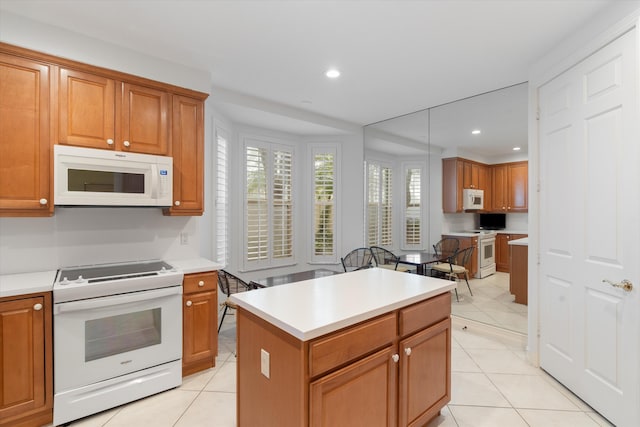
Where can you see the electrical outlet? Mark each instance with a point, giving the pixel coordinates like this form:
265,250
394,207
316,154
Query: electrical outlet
264,363
184,238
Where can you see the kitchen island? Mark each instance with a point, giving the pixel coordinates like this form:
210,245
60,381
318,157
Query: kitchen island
371,347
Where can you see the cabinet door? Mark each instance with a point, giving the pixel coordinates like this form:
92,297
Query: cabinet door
499,197
452,177
199,337
86,110
425,374
518,187
188,156
502,252
24,368
25,184
144,120
360,394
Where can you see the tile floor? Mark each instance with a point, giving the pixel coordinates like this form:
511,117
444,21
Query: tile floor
491,303
492,385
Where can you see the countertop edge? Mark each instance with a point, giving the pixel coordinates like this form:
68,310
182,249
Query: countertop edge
14,285
342,323
195,265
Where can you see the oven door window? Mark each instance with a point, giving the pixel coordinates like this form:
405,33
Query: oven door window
113,335
85,180
488,252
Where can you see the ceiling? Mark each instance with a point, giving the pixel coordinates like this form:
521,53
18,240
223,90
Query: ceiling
395,57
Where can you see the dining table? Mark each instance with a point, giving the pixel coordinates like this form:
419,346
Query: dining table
282,279
421,260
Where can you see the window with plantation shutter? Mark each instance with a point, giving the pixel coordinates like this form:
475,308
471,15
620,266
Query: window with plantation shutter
379,205
268,205
324,165
222,198
412,207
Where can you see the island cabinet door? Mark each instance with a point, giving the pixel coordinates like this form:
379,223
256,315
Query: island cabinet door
361,394
425,374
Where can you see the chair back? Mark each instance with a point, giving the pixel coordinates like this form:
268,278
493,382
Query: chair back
463,256
230,284
383,256
447,246
357,259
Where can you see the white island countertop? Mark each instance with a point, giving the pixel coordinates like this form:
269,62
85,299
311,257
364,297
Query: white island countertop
313,308
520,242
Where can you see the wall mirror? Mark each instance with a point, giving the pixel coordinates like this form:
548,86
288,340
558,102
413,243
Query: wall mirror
404,185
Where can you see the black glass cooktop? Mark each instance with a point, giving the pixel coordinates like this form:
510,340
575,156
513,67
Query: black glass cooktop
105,272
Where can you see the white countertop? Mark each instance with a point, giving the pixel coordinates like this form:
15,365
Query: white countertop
520,242
26,283
316,307
195,265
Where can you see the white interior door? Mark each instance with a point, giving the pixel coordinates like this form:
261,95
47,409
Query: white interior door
589,230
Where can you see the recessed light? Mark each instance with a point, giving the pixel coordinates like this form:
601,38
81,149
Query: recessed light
516,148
332,73
475,132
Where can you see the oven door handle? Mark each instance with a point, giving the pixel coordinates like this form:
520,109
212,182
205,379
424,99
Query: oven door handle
95,303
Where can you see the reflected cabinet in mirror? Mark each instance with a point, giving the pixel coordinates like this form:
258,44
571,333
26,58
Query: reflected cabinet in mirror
435,173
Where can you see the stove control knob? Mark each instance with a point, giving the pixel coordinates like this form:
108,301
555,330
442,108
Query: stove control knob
80,280
163,270
65,281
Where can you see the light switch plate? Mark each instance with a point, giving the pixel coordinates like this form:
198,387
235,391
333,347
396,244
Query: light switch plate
264,362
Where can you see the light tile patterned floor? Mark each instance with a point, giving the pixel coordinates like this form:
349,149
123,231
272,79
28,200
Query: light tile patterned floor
492,385
491,303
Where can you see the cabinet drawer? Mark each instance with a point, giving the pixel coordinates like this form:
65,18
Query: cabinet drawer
425,313
200,282
344,346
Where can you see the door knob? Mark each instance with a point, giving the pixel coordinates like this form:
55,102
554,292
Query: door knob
625,284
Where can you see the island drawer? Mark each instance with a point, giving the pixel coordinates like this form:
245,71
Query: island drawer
425,313
199,282
341,347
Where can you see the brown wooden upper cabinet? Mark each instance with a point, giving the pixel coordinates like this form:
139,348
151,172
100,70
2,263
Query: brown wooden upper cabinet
100,112
505,185
25,96
510,187
459,174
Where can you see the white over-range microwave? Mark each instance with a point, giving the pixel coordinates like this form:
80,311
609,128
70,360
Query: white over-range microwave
472,199
92,177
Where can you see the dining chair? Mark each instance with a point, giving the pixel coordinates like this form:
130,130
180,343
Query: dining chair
447,246
456,266
384,258
230,284
357,259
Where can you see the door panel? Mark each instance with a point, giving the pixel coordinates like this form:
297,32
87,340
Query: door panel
589,233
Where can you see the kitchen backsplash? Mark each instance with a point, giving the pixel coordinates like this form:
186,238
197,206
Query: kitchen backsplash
467,221
80,236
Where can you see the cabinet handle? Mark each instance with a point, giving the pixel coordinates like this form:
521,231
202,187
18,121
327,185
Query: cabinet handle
508,207
43,202
407,351
189,303
109,141
126,143
201,283
37,307
177,203
395,358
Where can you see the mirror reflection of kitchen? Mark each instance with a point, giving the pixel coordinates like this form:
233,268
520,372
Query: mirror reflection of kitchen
472,155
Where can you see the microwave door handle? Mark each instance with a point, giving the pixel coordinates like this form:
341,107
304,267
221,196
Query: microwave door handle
97,303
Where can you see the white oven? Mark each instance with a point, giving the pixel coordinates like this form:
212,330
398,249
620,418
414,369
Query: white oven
486,254
117,336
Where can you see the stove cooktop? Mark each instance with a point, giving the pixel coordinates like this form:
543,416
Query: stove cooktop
93,281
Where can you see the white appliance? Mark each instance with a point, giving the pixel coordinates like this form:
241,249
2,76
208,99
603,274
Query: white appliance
486,254
117,336
92,177
472,199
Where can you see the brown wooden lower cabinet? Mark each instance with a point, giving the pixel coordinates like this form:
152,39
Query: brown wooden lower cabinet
502,250
26,360
519,269
392,370
199,322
